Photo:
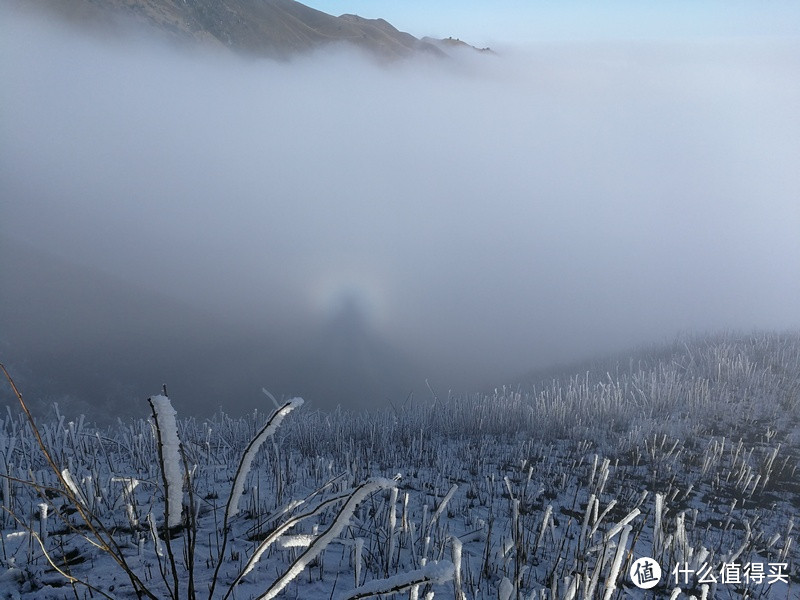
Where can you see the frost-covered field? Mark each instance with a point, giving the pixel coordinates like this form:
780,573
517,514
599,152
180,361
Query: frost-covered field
689,455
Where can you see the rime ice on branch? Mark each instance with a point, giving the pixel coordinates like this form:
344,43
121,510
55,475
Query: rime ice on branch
170,453
321,542
433,572
252,449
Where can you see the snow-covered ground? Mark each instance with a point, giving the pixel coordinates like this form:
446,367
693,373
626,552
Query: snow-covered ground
688,455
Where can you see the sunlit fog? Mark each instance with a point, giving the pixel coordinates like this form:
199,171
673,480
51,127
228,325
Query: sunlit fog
345,230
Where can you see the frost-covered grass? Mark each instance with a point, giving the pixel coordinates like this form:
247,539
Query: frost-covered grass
688,454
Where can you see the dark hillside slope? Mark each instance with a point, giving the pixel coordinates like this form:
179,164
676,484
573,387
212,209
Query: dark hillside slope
272,28
99,344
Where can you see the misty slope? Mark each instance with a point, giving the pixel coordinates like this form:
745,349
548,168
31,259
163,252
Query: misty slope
273,28
95,343
90,336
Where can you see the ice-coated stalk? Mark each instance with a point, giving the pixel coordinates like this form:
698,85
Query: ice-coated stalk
250,453
456,555
611,581
358,551
325,538
170,454
434,572
392,525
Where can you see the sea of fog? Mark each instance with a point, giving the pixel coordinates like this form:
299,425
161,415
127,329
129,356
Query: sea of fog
461,221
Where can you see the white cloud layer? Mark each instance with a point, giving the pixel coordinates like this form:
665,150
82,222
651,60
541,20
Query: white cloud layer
489,214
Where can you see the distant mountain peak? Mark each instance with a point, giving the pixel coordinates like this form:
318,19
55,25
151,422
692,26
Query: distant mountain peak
451,42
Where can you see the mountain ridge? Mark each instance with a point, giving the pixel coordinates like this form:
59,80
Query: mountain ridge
278,29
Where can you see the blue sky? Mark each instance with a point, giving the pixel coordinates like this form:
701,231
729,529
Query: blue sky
482,22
